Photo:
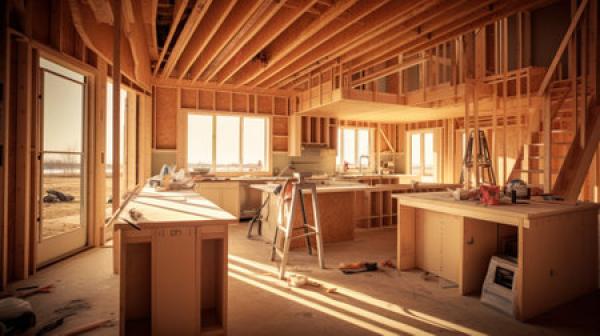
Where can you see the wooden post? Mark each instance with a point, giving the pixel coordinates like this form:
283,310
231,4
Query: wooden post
22,220
116,168
547,145
116,74
4,118
476,150
100,152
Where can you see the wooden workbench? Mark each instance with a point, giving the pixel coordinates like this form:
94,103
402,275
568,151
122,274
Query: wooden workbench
557,245
173,272
335,206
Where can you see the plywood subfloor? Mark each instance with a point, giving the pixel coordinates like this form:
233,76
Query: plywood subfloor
369,303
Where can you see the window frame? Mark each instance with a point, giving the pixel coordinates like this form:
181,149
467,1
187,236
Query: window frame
213,166
340,148
437,157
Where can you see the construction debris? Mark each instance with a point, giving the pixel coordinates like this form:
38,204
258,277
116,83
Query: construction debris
15,315
358,267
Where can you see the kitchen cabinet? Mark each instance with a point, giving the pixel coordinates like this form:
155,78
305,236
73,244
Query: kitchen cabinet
225,194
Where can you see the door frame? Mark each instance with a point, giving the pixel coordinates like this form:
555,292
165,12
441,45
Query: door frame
87,154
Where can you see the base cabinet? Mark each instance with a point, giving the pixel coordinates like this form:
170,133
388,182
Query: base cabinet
174,281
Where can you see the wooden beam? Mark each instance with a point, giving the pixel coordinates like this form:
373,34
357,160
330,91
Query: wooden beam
149,10
387,34
415,44
249,30
283,20
23,114
285,52
561,48
102,11
388,71
195,17
231,26
353,35
217,13
180,6
422,24
116,107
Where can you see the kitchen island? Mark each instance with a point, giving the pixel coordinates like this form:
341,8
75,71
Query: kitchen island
335,205
555,246
173,267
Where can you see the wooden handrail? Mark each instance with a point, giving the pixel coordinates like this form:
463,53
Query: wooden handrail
562,47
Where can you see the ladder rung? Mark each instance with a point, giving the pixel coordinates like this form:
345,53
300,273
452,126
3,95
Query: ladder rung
303,235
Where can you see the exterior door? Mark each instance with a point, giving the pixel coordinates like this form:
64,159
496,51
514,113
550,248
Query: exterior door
62,227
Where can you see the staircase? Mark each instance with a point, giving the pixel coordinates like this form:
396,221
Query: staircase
530,164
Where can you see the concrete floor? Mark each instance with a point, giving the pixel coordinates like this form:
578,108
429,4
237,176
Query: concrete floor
386,302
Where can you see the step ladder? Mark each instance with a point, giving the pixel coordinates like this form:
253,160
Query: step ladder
484,162
294,189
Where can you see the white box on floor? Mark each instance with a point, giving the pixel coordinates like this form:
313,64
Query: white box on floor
499,285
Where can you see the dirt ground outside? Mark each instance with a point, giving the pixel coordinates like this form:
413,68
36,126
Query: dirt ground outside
62,217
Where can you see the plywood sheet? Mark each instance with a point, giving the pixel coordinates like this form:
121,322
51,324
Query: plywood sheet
166,117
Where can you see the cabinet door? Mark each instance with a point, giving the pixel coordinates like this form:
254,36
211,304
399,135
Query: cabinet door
230,200
211,194
175,304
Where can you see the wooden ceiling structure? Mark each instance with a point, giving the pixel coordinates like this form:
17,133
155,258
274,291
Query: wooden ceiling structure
275,44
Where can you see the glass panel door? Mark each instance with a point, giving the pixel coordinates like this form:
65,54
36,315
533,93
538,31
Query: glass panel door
62,227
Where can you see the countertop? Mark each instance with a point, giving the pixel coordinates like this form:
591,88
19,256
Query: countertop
164,209
321,188
511,214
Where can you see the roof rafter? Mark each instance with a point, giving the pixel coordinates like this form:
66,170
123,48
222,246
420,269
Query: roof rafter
384,36
284,18
424,41
180,6
232,24
200,8
149,10
321,30
355,34
217,13
258,20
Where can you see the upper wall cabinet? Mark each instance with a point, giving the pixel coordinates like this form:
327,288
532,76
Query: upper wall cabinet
311,131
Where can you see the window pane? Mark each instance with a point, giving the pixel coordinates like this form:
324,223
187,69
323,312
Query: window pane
61,194
63,119
363,147
338,159
228,143
428,154
200,141
46,64
415,154
254,155
349,138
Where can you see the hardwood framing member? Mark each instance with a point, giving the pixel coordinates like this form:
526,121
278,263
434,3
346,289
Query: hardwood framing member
232,25
257,22
22,221
428,40
198,12
99,160
116,106
4,140
272,30
217,13
561,48
180,6
376,16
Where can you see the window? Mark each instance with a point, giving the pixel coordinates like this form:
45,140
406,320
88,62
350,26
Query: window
354,147
423,157
227,143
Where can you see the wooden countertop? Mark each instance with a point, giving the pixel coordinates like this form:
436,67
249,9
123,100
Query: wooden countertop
511,214
321,188
166,209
